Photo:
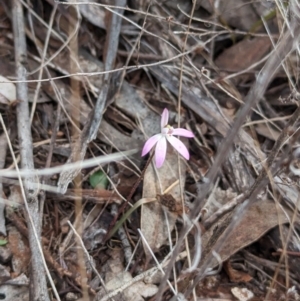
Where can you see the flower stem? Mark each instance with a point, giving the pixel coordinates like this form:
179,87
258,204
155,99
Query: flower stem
112,230
139,180
127,214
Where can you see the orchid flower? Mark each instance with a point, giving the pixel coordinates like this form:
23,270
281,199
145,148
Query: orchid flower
167,134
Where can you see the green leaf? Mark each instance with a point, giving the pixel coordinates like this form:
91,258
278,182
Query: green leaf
98,180
3,242
128,213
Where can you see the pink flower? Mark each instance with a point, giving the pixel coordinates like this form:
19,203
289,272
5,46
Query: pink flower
167,133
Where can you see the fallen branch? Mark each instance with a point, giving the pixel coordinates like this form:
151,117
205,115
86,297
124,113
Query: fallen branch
38,284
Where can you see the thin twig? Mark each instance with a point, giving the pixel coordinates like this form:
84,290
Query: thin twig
87,255
85,164
178,158
3,147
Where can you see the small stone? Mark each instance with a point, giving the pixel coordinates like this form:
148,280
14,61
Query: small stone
71,296
242,294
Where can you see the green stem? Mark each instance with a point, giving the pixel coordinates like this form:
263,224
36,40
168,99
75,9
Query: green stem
109,232
128,213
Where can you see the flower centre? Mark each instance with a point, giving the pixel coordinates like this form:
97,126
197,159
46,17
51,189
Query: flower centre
167,130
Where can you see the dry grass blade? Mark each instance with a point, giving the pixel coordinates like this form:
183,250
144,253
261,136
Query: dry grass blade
3,147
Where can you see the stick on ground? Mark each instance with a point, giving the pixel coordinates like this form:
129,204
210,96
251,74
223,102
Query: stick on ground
38,285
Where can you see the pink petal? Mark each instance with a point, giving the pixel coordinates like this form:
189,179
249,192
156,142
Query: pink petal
150,143
183,132
160,152
179,146
164,118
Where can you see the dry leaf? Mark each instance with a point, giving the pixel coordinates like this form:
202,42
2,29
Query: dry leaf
243,54
8,92
94,14
153,220
19,249
267,131
235,276
16,289
259,218
122,283
240,15
137,291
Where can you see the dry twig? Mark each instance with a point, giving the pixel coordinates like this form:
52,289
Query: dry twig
38,287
